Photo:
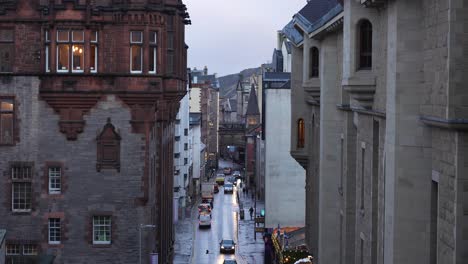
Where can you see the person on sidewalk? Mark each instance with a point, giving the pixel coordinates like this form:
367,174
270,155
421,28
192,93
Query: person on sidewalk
251,212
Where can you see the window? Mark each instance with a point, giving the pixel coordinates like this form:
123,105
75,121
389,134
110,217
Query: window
70,44
300,133
185,146
314,63
186,132
21,176
108,149
170,45
365,44
101,229
136,52
7,50
54,230
13,249
185,161
47,50
7,115
153,51
93,52
55,180
29,249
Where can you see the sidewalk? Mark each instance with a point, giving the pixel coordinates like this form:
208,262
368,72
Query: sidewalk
184,235
250,250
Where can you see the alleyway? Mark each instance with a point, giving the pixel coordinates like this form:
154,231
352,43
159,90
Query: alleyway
192,242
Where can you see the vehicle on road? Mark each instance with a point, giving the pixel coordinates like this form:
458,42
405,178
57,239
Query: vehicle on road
204,207
216,188
229,261
227,170
237,175
207,190
227,245
228,188
204,220
220,180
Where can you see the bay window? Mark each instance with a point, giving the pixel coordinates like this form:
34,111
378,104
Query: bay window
78,50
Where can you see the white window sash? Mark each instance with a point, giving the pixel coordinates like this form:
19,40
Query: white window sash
141,60
47,66
59,230
12,201
55,190
72,59
155,56
57,60
97,242
95,58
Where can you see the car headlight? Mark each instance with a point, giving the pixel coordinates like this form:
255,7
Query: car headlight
222,247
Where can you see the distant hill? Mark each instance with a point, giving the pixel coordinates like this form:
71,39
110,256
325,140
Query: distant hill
228,83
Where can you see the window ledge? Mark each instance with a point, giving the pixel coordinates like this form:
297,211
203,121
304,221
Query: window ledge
102,245
21,212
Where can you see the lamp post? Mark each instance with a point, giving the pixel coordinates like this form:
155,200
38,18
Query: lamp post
141,227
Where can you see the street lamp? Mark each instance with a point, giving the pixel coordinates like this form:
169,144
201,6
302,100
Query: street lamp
141,227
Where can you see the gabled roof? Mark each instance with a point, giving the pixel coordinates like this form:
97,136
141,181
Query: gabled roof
252,106
288,46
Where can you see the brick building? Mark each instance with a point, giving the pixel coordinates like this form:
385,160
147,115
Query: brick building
89,91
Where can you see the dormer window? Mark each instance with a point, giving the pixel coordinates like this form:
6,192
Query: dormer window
108,148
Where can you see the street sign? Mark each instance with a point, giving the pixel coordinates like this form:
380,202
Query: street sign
260,220
259,229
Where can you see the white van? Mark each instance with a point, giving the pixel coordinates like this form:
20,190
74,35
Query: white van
204,220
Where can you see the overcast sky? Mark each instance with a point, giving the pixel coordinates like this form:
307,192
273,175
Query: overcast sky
231,35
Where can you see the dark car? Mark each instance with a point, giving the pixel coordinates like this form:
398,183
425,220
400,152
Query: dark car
227,171
216,188
227,245
229,261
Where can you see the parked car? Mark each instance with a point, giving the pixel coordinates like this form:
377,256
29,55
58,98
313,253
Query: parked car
229,261
227,171
216,188
204,207
227,245
228,188
204,220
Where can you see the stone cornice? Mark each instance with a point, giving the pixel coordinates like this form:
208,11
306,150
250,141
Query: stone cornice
451,124
312,91
361,88
348,108
301,157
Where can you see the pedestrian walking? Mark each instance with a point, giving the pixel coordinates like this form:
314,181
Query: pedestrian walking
251,212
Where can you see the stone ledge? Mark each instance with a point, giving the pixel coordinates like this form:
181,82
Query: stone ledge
312,91
361,88
301,157
451,124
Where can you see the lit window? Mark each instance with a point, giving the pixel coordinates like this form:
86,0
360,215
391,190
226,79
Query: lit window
21,176
54,230
300,133
63,48
101,229
7,114
55,180
136,52
77,51
365,45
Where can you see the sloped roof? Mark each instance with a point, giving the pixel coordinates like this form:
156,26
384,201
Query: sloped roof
315,9
252,106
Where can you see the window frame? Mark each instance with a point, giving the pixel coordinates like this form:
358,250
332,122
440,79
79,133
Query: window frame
47,50
33,250
153,46
300,133
364,26
109,226
8,250
54,190
57,231
58,44
77,43
8,112
96,50
138,44
314,65
16,169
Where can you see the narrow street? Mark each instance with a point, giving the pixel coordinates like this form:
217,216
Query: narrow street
226,224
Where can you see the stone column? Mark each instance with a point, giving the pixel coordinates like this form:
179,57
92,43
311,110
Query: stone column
331,127
407,161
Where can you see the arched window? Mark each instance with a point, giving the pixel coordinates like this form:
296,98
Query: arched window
314,63
300,133
365,44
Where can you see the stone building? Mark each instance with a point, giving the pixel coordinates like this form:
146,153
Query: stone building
89,93
379,122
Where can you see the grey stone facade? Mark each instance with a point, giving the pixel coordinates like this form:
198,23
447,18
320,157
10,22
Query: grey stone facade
390,158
